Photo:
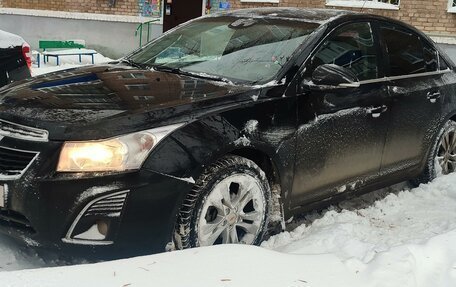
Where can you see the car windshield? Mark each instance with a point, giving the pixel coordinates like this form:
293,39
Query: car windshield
238,49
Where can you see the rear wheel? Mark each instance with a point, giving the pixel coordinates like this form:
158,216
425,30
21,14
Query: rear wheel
442,158
228,204
445,158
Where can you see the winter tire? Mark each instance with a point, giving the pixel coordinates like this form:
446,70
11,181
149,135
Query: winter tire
228,204
442,158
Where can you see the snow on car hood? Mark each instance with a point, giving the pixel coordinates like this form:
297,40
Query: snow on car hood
109,100
8,40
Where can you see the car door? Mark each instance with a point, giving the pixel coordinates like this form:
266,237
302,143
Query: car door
415,85
342,131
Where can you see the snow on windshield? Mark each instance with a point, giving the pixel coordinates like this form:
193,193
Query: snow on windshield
252,50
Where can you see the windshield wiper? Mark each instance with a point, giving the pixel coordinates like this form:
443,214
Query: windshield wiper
132,63
179,71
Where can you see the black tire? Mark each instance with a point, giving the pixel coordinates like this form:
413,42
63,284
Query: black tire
429,173
186,230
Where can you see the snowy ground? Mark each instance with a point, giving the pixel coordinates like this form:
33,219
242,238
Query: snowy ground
392,237
67,62
399,238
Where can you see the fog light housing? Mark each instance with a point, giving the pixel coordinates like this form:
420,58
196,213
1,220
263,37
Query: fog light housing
98,221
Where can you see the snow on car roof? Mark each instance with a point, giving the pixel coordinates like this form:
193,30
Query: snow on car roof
8,40
308,15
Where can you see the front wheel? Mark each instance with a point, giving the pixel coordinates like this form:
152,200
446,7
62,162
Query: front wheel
228,204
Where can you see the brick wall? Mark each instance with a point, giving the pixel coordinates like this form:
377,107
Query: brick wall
122,7
428,15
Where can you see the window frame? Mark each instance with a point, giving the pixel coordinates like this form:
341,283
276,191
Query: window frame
378,50
374,4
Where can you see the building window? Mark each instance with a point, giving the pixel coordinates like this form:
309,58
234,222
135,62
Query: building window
368,4
452,6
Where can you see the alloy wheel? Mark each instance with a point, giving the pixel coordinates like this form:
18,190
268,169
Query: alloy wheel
233,212
446,154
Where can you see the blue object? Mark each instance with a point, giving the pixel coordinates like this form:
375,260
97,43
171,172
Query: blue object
224,5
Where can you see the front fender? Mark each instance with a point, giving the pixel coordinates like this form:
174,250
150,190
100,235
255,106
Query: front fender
266,127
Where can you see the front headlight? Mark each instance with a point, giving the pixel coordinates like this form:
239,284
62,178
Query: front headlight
117,154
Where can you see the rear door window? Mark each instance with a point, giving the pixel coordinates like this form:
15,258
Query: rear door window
405,52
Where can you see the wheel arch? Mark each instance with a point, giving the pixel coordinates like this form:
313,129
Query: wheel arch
453,117
263,160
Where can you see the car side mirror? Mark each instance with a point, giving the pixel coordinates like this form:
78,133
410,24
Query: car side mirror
334,75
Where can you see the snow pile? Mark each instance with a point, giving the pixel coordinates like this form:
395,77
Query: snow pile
431,264
404,217
8,40
404,238
66,62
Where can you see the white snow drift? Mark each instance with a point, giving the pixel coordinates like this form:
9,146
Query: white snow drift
404,238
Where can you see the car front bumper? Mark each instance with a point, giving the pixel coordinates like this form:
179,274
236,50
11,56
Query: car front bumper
137,210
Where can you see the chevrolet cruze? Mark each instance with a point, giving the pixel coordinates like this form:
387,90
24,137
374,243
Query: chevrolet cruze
222,130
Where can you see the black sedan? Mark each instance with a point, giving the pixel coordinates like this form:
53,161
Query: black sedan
15,58
223,129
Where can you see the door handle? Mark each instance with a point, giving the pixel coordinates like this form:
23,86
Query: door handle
433,96
377,111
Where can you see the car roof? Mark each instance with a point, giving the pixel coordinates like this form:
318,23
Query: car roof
312,15
8,40
320,16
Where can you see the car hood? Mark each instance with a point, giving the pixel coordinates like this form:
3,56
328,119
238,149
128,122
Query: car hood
96,102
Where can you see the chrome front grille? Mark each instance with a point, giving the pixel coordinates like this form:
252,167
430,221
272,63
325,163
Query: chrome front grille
14,162
18,131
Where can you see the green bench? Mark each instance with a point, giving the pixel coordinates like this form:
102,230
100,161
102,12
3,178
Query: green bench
64,48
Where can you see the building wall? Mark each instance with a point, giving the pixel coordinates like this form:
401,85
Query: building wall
122,7
428,15
112,39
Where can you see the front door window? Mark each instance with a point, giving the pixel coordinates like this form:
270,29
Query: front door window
352,47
